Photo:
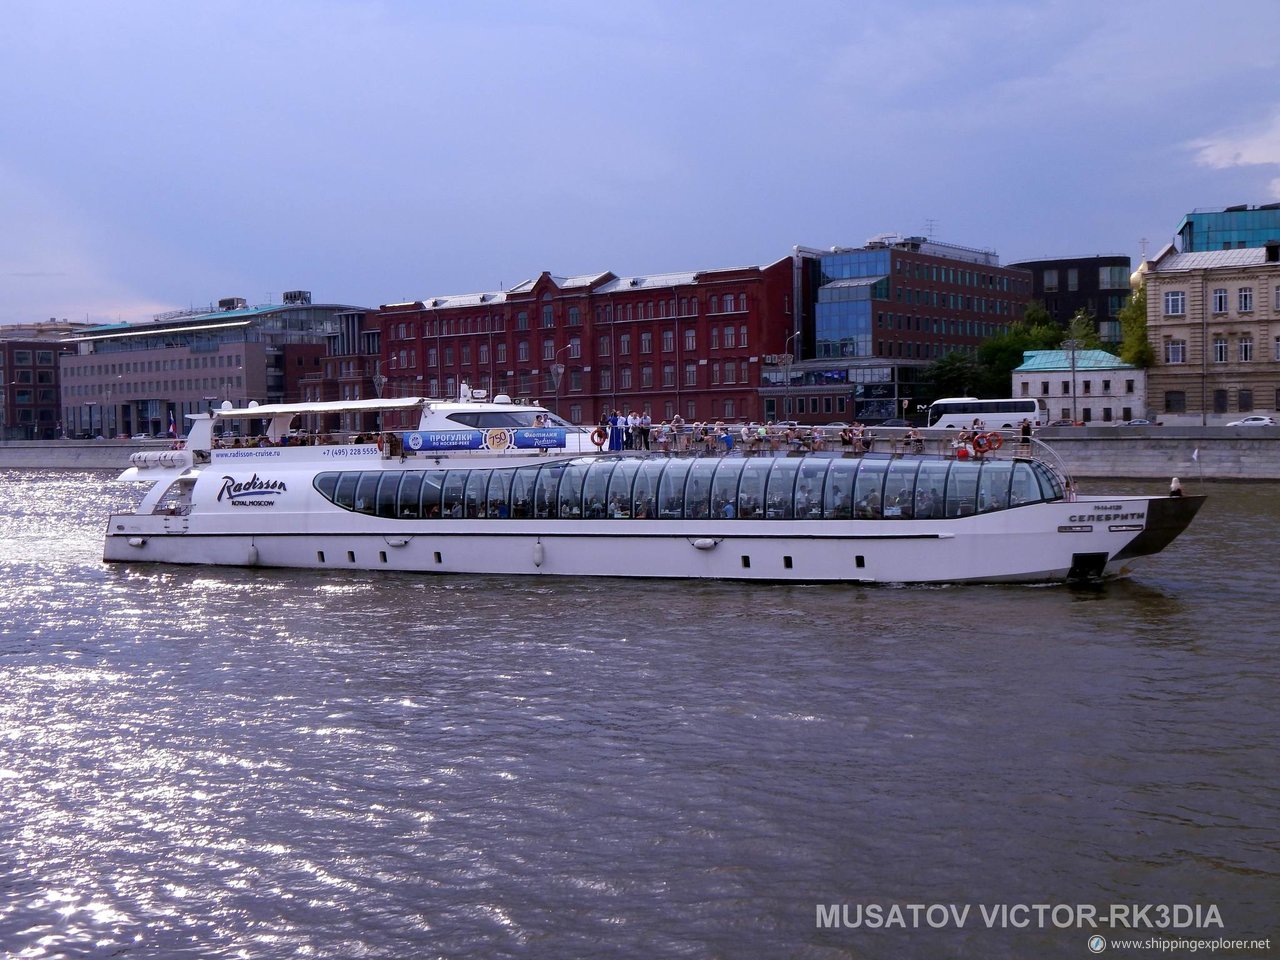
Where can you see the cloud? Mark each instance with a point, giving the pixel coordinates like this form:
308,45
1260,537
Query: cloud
1244,147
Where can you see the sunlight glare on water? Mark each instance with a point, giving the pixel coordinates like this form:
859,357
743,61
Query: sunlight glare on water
249,763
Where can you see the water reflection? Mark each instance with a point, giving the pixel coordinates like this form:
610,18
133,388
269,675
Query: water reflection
222,763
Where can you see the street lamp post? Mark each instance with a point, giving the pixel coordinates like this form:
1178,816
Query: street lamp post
785,361
1072,345
91,404
379,381
557,374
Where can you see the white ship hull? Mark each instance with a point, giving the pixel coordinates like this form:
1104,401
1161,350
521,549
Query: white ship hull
1036,543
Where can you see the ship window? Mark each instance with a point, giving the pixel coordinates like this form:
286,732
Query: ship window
326,483
618,504
993,485
507,418
366,492
697,489
869,490
455,485
476,486
595,491
522,492
500,493
671,490
838,495
410,491
859,561
548,488
786,562
930,482
809,484
345,494
571,488
1050,487
1023,488
962,489
387,488
432,482
781,491
724,489
751,489
746,562
900,489
644,491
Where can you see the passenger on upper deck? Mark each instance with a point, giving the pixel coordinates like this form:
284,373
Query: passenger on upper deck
616,421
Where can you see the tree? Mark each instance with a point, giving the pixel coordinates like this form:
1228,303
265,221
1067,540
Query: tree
1135,348
1036,315
1000,355
1083,329
953,375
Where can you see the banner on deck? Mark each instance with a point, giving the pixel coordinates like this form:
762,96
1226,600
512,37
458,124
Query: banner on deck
496,440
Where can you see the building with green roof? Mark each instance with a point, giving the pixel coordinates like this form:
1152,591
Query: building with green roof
1084,386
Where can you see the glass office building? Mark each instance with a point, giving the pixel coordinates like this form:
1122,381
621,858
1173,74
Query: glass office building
1229,228
873,318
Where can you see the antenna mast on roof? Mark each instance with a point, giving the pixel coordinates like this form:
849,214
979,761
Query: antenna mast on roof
930,225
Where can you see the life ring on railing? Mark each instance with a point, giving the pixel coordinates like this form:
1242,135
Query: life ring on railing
379,441
995,440
598,436
981,443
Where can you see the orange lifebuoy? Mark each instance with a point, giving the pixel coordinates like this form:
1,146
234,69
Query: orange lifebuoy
379,441
598,436
995,440
981,444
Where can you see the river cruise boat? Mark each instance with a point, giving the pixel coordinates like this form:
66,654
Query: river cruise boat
479,486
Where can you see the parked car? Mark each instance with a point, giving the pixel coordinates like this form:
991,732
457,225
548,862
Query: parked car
141,436
1065,423
895,422
1255,421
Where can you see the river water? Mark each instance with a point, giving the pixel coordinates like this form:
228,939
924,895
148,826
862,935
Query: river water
238,763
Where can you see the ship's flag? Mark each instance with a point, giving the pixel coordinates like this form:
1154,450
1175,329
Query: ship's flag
1195,454
173,427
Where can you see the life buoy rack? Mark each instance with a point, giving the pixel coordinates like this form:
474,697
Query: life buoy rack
598,436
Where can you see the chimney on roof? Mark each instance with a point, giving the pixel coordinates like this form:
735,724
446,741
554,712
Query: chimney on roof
1273,251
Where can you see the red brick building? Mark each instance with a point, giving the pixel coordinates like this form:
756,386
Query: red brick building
687,343
29,386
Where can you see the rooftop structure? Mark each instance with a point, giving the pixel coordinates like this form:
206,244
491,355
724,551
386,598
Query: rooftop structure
1229,228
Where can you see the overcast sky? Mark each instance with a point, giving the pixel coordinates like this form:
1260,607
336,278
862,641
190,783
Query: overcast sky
156,155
